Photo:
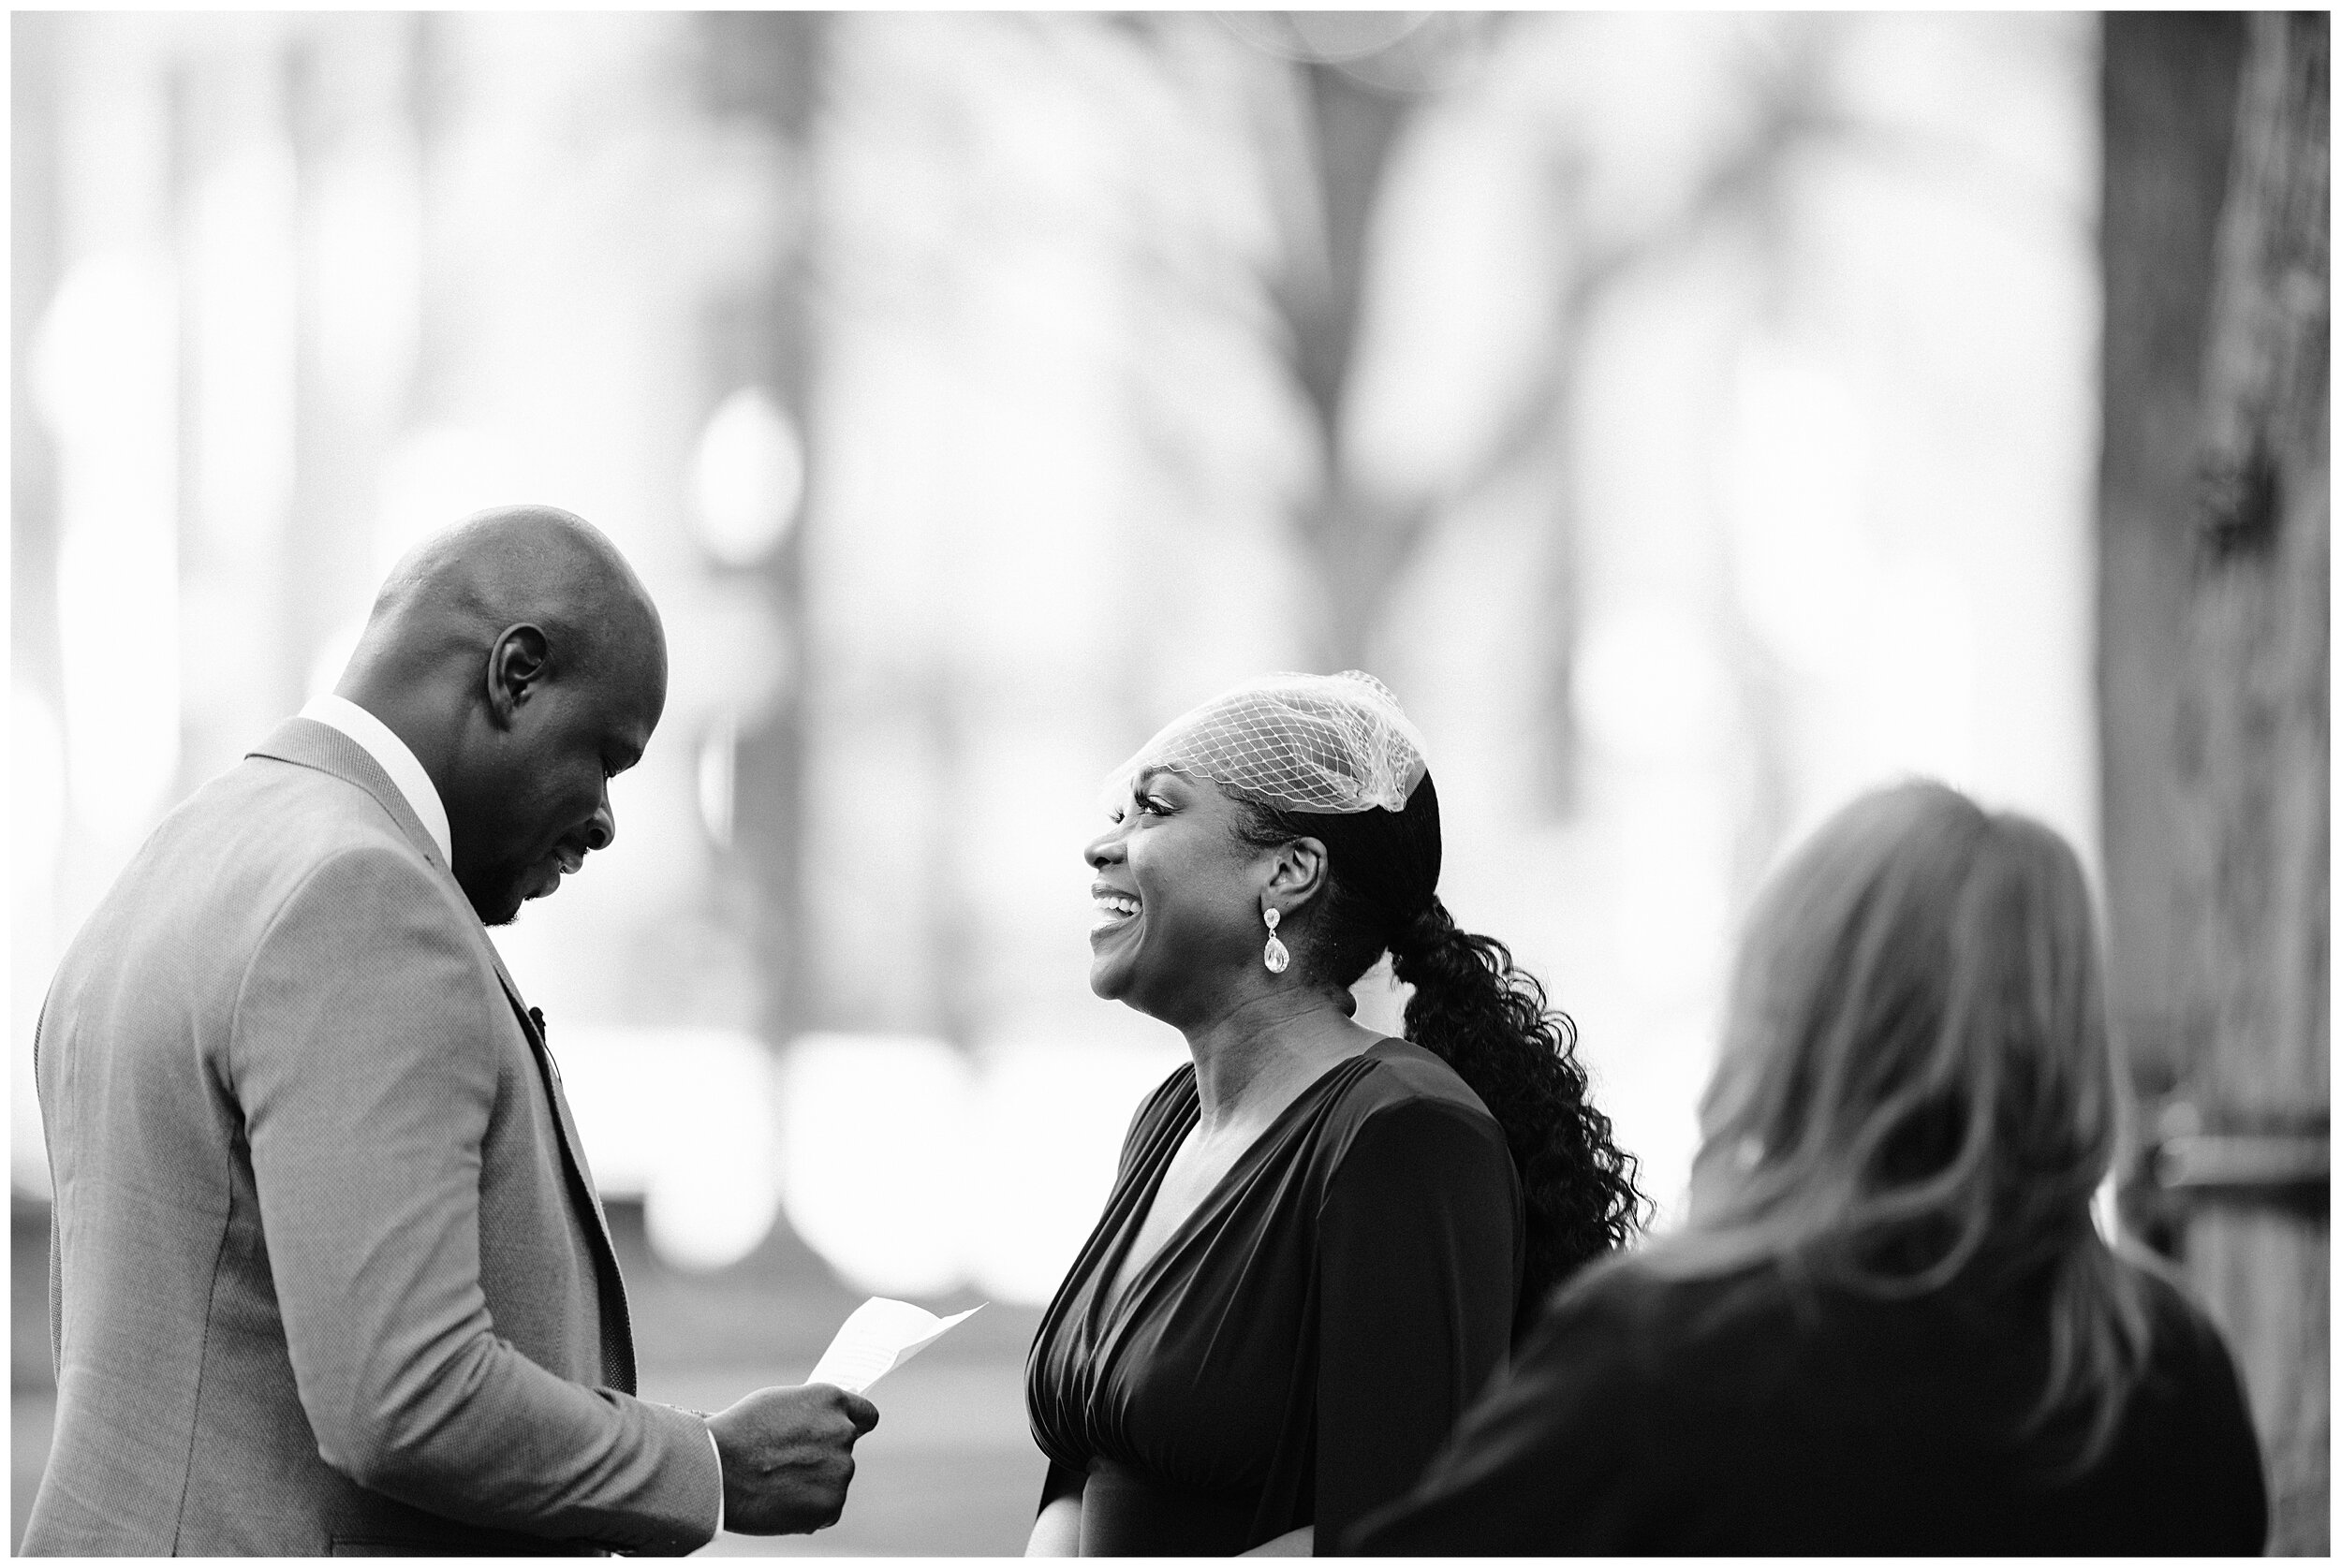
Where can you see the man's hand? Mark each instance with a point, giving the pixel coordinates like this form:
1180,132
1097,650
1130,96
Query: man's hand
787,1457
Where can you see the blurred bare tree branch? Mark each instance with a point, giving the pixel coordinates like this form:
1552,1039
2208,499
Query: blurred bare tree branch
1362,541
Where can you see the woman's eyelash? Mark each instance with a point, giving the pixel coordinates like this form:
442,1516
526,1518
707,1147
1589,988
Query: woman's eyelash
1144,804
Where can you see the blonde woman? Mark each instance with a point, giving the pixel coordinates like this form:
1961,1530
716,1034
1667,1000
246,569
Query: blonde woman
1890,1325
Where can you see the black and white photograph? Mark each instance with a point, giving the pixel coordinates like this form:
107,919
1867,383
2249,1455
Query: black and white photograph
990,784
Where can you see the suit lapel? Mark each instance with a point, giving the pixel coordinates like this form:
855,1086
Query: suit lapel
585,1195
312,745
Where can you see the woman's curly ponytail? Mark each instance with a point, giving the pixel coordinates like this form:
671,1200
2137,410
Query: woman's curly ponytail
1481,1014
1490,1020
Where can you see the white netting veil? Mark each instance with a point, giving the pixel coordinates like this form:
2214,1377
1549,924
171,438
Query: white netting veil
1303,742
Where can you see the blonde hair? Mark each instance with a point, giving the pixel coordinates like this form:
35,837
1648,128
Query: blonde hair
1917,1091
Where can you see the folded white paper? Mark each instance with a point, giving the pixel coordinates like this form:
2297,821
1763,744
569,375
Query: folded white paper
880,1336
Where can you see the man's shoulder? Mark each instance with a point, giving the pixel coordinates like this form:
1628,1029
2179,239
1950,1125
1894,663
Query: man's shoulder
287,814
225,863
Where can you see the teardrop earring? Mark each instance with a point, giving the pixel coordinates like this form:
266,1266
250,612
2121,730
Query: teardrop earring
1275,955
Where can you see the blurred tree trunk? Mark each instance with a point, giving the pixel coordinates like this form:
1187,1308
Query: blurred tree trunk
2170,84
2218,887
1359,542
762,68
352,117
2253,744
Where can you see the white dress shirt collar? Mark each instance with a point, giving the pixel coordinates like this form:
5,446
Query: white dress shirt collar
382,744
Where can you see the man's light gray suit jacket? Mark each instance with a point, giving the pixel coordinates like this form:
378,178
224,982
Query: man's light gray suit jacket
328,1274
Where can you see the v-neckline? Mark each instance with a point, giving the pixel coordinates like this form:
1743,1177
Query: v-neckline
1111,1305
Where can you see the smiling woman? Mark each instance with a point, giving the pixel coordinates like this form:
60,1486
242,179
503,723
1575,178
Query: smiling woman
1173,912
1378,1213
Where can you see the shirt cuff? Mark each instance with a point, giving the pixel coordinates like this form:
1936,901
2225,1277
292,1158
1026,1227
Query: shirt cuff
719,1481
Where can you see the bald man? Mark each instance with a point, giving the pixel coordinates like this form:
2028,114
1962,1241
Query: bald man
328,1273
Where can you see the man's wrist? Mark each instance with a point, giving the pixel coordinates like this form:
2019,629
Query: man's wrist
717,1449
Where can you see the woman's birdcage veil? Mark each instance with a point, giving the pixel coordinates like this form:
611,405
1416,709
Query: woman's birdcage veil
1301,742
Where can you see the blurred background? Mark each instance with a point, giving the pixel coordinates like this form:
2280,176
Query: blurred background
1696,420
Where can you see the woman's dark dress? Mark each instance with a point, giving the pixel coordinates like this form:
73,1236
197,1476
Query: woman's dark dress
1304,1341
1708,1416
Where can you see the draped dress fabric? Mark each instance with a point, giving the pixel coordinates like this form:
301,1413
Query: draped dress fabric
1302,1344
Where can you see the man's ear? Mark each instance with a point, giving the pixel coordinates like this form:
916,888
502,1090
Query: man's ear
516,665
1299,875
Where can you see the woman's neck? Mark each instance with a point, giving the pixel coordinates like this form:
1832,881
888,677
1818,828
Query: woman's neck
1254,1059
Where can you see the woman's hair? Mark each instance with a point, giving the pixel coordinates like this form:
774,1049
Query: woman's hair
1916,1091
1486,1018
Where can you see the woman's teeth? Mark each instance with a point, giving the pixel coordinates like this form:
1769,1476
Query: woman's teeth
1112,909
